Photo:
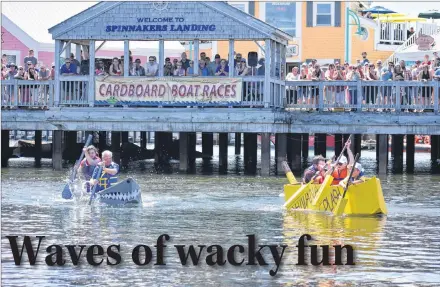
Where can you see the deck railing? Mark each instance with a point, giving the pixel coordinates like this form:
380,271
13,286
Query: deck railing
27,93
393,96
74,90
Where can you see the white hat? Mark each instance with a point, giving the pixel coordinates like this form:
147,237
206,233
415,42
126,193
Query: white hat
359,167
343,159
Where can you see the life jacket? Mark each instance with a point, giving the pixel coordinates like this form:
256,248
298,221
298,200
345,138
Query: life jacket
339,175
105,181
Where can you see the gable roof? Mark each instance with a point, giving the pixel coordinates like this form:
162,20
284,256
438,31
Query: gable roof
228,23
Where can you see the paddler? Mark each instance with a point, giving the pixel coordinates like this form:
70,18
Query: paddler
109,172
341,170
87,165
358,174
316,171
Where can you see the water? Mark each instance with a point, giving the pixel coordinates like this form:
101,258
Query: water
402,249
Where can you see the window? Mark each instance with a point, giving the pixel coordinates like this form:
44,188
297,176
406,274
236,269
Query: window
324,14
243,6
282,15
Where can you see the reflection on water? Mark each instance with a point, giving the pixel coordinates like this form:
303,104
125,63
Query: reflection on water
400,249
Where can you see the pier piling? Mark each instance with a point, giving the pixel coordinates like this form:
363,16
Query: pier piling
250,152
410,152
57,150
237,143
305,147
265,154
208,144
183,151
144,140
294,151
5,148
38,148
281,151
382,153
397,153
435,153
223,152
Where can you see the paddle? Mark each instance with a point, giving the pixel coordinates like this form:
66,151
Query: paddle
67,193
92,194
328,179
340,207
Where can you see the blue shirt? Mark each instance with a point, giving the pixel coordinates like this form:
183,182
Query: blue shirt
437,73
70,70
226,69
204,71
387,76
105,180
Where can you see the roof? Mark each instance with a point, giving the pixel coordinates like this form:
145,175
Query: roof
228,22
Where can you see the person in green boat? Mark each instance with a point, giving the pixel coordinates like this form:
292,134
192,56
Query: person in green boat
109,172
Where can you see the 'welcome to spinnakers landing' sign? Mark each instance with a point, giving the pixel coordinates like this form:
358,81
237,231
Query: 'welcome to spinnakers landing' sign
138,91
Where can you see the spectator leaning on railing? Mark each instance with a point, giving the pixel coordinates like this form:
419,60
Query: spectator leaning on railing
425,76
179,71
203,70
151,68
116,69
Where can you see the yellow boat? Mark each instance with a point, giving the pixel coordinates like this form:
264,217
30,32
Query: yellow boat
365,198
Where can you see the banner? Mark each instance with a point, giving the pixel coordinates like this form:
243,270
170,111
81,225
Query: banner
131,90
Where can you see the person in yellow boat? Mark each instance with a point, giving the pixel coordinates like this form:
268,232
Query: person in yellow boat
358,175
341,170
109,170
316,171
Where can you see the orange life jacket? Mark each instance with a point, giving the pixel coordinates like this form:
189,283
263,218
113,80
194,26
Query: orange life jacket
339,175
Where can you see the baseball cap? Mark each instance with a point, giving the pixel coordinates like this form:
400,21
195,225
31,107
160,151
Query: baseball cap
359,167
343,159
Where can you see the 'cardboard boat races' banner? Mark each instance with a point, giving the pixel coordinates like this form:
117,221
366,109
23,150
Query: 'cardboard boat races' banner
142,91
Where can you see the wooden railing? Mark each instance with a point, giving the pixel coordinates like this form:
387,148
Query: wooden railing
24,93
390,96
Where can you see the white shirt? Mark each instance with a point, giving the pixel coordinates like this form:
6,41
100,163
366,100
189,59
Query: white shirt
151,69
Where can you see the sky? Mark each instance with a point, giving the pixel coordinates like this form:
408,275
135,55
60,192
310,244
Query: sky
35,18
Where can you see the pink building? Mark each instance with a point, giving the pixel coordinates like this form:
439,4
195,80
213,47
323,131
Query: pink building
16,44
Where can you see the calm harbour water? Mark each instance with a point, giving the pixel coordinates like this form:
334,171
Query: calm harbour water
402,249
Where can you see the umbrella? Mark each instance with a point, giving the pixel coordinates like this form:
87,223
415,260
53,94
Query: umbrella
434,14
378,10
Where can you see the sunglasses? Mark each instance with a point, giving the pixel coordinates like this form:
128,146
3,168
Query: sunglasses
21,69
29,64
66,63
340,164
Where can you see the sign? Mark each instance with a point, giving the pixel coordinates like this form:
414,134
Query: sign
135,91
292,50
160,24
424,42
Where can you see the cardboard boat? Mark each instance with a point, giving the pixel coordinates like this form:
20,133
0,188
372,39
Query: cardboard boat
124,192
365,198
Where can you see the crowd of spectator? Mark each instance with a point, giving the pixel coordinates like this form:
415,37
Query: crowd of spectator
181,67
423,71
